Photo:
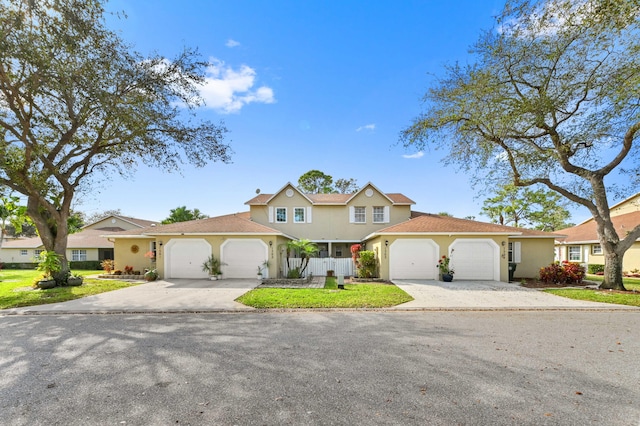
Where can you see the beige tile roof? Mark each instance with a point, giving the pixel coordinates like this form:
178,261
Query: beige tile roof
237,223
586,231
88,238
436,224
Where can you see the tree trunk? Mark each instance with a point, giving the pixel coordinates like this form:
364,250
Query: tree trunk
612,272
53,230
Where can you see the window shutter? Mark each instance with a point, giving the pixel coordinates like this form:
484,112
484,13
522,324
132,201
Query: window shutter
270,214
386,214
517,257
352,214
309,214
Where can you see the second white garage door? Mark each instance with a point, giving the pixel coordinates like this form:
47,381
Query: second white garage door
241,257
413,258
475,259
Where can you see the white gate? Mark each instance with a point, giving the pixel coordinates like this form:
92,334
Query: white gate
319,266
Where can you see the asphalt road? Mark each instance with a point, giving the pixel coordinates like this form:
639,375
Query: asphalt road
436,368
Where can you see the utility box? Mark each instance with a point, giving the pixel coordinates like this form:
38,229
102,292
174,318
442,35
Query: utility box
341,282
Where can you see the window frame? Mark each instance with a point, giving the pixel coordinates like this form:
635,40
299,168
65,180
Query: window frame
359,211
579,252
277,217
593,251
24,252
378,213
78,255
303,210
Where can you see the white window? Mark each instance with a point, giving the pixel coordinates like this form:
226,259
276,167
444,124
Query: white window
78,255
574,254
378,215
596,249
514,252
281,214
359,215
298,214
24,253
37,252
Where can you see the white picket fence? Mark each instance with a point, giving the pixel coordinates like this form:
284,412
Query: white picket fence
320,266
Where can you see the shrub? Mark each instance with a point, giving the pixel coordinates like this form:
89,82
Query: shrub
87,265
562,273
128,270
595,268
367,264
117,272
108,265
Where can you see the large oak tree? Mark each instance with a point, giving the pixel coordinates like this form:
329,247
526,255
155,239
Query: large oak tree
552,98
76,101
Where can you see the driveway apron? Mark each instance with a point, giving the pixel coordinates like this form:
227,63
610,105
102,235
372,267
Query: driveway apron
176,295
430,294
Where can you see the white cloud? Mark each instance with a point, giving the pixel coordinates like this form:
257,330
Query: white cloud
371,127
227,90
418,154
232,43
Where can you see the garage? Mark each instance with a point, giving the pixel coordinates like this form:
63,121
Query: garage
241,257
184,258
413,258
475,259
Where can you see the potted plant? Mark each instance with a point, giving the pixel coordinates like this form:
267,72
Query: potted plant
259,274
212,267
261,268
151,275
49,263
74,280
446,271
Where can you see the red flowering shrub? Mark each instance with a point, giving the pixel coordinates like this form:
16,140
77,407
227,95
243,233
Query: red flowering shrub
562,273
128,270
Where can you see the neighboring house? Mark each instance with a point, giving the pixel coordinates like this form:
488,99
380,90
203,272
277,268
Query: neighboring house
407,244
582,245
88,244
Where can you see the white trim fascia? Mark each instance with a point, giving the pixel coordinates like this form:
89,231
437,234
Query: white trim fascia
283,188
534,236
363,188
126,236
121,218
212,233
576,243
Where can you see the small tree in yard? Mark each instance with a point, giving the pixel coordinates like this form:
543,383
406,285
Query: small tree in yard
75,100
552,100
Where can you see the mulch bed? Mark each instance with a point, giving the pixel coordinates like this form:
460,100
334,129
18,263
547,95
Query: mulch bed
535,283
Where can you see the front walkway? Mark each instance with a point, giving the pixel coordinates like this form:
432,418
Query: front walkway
178,295
430,294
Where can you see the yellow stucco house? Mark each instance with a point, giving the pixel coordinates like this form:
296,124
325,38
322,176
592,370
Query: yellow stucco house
407,244
581,243
89,244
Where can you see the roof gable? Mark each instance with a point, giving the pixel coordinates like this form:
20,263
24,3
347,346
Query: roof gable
587,232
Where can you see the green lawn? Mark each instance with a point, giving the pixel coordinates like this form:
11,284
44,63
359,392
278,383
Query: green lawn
16,288
370,295
631,299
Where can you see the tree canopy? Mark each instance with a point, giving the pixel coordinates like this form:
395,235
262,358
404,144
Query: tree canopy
76,100
525,207
317,182
550,99
183,214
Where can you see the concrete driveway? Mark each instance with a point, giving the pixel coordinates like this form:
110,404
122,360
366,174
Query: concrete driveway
430,294
177,295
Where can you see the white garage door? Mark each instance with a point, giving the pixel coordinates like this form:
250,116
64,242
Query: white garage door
413,258
242,257
184,258
475,259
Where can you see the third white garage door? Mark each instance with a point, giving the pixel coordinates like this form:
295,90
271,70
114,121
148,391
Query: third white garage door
475,259
241,257
413,258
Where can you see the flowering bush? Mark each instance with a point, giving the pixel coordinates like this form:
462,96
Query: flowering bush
443,265
562,273
128,270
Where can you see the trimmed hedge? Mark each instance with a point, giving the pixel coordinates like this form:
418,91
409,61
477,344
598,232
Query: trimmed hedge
87,265
595,268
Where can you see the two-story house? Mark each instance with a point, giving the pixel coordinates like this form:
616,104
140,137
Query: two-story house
407,244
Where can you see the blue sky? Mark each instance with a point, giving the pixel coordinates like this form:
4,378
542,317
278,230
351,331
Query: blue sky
304,85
